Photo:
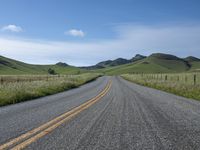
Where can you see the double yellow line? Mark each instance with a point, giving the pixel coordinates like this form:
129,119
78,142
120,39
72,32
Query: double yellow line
31,136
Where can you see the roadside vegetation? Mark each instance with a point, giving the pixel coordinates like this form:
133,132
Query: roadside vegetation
14,89
183,84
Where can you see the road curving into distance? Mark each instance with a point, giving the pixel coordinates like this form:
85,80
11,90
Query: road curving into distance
109,113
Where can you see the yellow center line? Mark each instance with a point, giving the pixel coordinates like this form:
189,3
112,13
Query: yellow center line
51,125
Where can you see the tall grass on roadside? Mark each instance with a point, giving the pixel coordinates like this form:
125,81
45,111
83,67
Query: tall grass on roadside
183,84
21,88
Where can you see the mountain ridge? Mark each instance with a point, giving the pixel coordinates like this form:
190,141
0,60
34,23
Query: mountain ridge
115,62
154,63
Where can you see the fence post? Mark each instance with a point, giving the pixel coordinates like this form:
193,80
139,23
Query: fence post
195,77
1,80
185,78
165,77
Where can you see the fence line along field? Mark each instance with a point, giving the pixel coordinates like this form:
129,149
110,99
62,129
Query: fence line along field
14,89
183,84
30,78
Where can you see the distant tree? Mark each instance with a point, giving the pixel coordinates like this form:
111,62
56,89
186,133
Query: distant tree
78,72
51,71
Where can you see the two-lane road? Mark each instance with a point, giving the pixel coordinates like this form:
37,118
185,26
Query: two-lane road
120,115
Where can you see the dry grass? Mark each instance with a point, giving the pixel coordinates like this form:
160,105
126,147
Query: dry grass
182,84
14,89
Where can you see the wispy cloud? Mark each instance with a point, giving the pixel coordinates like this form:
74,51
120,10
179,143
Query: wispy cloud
12,28
75,33
178,40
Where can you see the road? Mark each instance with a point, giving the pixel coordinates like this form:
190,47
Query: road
124,116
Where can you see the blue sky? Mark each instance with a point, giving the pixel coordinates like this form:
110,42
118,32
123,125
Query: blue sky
84,32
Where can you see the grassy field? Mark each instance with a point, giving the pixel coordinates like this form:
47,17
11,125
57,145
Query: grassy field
155,63
14,89
183,84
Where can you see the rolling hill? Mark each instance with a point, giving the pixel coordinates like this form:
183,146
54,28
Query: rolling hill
12,67
156,63
116,62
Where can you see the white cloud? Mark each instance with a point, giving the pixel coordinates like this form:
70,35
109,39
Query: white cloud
12,28
75,32
177,40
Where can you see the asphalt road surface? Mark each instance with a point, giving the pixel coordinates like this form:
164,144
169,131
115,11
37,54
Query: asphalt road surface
124,116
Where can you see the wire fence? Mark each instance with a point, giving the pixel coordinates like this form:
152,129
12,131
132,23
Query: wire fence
185,78
4,79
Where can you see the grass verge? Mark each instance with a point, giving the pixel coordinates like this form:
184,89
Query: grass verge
15,92
171,86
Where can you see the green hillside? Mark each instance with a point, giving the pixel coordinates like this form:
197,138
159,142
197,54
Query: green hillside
194,62
13,67
155,63
195,66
